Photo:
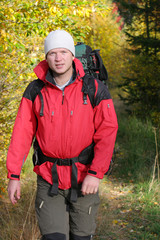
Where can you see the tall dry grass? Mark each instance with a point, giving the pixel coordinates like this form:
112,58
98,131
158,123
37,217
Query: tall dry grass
18,222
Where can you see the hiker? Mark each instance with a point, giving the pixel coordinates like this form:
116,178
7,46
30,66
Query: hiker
73,142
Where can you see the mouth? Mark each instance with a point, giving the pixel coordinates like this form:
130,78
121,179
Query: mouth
59,66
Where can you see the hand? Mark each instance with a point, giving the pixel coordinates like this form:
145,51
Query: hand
90,185
14,190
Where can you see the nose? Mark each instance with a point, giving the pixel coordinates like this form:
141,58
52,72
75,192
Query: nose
58,56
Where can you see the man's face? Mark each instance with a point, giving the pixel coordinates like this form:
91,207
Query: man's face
60,60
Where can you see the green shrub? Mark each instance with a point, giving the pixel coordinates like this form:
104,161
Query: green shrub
136,148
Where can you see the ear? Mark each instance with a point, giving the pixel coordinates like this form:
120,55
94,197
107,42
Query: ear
46,56
73,57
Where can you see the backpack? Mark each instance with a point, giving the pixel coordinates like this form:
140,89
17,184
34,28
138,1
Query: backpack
93,67
91,61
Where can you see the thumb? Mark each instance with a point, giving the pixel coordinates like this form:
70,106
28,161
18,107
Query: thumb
18,195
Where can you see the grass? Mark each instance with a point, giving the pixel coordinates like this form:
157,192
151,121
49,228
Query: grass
19,222
130,195
128,211
136,148
144,216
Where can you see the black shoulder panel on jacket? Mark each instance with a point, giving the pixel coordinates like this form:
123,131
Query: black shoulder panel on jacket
33,89
102,92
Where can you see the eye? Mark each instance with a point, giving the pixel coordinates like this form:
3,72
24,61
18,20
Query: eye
64,52
52,53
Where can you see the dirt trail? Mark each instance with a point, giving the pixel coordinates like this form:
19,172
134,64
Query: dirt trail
114,211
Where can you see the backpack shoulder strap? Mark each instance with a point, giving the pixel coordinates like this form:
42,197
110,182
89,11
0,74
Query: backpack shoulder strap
34,89
89,89
102,92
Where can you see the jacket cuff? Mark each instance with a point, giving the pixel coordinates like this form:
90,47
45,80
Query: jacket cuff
95,174
13,176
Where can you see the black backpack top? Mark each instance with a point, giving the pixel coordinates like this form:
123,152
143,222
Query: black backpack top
93,67
91,61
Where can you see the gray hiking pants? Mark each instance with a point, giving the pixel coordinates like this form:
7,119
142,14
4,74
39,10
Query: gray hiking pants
58,215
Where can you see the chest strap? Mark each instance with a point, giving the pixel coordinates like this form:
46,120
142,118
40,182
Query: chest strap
85,157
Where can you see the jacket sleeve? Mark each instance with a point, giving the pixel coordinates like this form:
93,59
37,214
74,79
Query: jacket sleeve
106,126
21,140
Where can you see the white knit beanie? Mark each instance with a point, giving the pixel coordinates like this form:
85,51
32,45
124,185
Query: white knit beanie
59,39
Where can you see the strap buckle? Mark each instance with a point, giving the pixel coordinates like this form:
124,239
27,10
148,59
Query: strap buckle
64,162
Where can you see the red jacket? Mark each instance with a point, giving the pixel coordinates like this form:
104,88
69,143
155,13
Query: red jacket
66,128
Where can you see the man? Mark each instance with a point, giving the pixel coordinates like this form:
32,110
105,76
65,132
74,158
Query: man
52,110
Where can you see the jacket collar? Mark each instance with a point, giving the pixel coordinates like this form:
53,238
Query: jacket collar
42,70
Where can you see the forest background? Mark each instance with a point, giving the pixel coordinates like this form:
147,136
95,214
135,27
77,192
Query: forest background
128,36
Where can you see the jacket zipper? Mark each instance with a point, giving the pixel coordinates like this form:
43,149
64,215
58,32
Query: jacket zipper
62,97
52,115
